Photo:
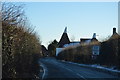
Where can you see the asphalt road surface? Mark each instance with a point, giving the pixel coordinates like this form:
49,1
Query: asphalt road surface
55,69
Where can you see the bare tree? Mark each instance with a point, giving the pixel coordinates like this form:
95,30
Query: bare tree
12,14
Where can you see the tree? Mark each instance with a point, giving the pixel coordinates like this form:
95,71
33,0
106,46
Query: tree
52,48
44,51
109,51
119,53
20,44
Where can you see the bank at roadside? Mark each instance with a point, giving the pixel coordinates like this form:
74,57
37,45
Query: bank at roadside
97,68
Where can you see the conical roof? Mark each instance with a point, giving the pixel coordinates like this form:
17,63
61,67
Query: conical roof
115,34
64,39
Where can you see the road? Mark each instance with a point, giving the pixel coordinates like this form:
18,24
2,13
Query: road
55,69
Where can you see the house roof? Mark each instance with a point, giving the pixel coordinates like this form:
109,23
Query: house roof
88,40
64,39
84,39
75,42
115,34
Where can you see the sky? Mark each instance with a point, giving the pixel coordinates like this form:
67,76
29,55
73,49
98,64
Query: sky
82,19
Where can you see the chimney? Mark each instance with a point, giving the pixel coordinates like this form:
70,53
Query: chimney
114,30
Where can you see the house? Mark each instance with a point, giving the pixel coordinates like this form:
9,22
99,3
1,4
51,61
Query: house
65,43
64,39
74,43
94,43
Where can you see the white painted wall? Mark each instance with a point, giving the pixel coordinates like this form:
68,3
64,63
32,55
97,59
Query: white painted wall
71,44
58,50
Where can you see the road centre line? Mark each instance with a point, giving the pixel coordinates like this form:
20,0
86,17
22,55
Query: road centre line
81,76
76,73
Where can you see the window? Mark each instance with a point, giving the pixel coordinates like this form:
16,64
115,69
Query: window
95,52
95,47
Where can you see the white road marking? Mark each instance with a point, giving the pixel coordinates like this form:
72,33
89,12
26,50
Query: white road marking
81,76
44,71
69,69
76,73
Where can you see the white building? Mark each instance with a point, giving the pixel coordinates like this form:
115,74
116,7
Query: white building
65,42
71,44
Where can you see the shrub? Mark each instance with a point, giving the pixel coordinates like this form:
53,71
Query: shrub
20,46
